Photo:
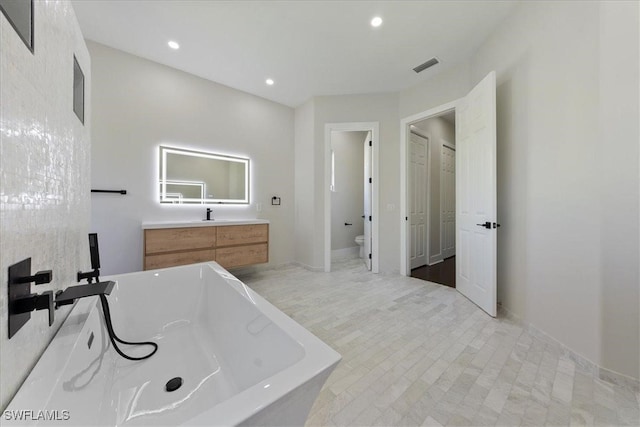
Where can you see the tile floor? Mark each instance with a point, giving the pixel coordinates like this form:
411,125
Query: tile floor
416,353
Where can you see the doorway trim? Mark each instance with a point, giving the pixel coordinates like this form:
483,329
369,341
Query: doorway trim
326,182
405,132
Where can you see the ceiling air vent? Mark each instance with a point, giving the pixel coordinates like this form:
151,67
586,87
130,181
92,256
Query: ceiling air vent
430,63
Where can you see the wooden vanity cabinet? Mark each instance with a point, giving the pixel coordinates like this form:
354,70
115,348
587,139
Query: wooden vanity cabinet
228,245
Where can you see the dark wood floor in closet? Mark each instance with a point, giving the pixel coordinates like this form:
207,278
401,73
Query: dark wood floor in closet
443,273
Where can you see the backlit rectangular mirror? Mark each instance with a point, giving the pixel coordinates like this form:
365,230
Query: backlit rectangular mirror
196,177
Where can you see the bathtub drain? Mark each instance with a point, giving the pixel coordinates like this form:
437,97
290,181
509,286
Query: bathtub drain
173,384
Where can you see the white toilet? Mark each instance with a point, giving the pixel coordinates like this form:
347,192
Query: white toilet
360,242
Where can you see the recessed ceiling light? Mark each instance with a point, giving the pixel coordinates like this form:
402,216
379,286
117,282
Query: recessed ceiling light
376,22
173,44
270,82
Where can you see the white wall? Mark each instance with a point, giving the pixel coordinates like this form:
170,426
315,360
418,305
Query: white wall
618,159
347,201
44,159
437,130
567,170
139,105
441,89
559,128
304,185
382,108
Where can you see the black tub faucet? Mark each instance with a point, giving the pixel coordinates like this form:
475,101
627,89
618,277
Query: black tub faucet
72,293
209,212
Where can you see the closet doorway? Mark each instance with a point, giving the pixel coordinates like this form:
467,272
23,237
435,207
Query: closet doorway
432,199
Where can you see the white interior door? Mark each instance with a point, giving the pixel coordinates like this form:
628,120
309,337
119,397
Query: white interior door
417,193
448,202
368,191
476,240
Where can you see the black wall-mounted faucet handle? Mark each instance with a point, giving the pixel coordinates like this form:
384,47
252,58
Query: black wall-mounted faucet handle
21,301
41,277
27,304
209,212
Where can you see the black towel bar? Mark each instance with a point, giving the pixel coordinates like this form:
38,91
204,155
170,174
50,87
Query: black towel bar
109,191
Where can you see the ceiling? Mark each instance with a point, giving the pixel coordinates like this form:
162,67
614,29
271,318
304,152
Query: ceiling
309,48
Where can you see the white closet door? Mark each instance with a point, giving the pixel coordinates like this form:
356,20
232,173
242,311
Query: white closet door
418,195
448,202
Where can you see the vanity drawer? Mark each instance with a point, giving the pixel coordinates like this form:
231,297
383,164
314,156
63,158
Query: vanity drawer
238,256
229,245
177,239
231,235
178,258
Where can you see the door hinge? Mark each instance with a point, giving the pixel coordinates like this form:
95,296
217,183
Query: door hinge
369,256
370,143
370,180
369,217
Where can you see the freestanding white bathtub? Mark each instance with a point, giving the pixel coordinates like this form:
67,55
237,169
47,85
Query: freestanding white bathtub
243,362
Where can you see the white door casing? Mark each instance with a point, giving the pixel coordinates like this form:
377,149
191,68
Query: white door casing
368,188
476,195
418,161
448,202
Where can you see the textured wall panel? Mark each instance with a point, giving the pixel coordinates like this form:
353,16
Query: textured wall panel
44,173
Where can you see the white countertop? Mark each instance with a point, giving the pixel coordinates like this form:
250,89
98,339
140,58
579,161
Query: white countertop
201,223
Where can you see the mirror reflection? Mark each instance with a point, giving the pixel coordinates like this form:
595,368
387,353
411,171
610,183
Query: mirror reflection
188,176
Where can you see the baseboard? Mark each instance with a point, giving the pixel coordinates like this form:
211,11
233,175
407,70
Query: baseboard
308,267
618,379
586,364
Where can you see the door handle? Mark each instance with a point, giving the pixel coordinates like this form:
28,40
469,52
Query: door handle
489,225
